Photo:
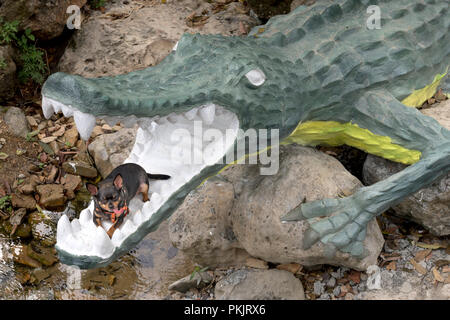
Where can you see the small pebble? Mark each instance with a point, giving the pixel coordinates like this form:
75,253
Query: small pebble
319,288
337,291
336,275
331,283
325,296
349,296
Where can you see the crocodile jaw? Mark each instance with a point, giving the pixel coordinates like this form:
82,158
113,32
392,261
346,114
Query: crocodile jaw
159,148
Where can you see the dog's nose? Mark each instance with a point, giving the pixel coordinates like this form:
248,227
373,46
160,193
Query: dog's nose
110,205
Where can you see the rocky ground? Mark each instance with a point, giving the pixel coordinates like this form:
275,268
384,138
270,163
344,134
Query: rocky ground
209,249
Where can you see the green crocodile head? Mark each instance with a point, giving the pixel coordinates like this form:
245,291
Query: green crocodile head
189,109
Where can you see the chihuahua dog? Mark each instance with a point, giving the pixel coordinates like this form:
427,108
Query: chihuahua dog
112,195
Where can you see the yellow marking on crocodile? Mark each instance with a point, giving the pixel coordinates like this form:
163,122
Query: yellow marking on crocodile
418,97
334,133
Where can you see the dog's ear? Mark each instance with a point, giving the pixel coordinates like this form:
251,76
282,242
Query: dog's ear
118,182
92,188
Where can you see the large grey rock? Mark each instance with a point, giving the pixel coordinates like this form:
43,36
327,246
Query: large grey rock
45,18
8,78
429,206
138,35
305,174
111,150
202,229
205,228
271,284
17,122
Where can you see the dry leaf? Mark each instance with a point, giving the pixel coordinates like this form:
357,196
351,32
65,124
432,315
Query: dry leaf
392,266
111,279
437,275
441,262
446,269
433,246
421,255
355,276
291,267
418,267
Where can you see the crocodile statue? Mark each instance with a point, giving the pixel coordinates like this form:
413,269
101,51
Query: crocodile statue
318,75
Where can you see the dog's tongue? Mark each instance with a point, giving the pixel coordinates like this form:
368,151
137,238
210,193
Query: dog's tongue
117,211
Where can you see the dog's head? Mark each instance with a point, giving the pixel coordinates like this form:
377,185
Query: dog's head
109,195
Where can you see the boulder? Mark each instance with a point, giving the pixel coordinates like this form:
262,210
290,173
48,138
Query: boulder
270,284
51,195
17,122
8,69
43,228
80,168
305,174
429,206
71,136
220,222
45,18
111,150
71,184
134,36
201,227
23,201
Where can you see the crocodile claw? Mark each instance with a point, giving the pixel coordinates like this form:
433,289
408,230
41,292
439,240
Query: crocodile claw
340,224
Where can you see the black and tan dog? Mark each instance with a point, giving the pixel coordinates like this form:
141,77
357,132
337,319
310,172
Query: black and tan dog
113,194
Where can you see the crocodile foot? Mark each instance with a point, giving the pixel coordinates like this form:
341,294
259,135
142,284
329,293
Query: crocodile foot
340,224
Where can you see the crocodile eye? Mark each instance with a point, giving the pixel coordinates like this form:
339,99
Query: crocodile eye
256,77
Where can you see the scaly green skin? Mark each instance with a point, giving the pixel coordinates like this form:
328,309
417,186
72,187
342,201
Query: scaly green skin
321,64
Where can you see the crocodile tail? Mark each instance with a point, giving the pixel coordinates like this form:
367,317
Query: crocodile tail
158,176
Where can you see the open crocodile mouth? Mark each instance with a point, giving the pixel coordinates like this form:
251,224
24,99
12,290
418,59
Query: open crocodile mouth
182,145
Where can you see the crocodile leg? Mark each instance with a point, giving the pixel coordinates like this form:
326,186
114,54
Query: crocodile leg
346,218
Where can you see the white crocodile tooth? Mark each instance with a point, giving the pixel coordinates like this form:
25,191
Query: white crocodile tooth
144,122
111,121
47,108
175,47
117,238
191,114
67,111
154,125
137,218
57,106
147,210
85,124
156,199
129,121
172,118
102,243
85,217
76,226
135,204
128,227
63,228
208,112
